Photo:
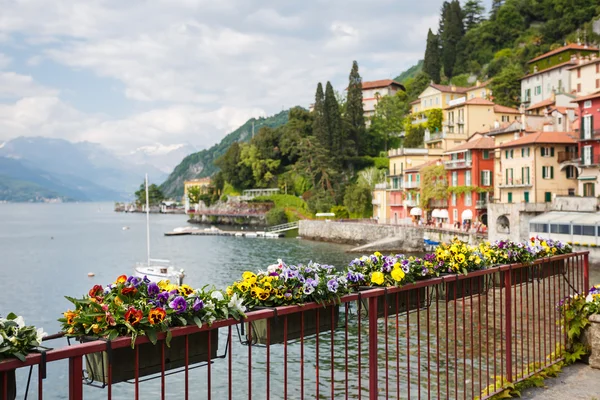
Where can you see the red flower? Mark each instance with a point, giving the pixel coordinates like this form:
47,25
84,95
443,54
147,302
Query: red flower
96,290
157,316
133,316
129,290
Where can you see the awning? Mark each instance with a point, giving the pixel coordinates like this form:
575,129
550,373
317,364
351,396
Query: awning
435,213
587,178
467,214
416,211
443,214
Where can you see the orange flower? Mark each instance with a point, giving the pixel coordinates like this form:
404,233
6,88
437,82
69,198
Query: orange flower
121,279
129,290
96,291
156,316
70,315
133,316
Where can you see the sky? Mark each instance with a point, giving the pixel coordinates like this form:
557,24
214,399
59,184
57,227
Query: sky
132,73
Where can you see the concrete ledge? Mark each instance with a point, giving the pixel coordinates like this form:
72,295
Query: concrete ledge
591,338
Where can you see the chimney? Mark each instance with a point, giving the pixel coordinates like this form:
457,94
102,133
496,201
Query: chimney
571,114
453,88
478,83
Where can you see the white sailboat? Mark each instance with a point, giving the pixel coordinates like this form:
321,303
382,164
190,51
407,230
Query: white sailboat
154,269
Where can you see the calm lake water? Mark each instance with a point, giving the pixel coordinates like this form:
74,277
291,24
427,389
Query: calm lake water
48,249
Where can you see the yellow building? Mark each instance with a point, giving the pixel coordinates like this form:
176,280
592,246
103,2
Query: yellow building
479,90
203,183
529,169
435,96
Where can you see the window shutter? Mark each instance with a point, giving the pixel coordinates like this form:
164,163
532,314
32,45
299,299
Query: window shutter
491,183
481,177
591,126
551,151
506,154
582,127
591,155
522,152
542,151
506,177
522,174
551,172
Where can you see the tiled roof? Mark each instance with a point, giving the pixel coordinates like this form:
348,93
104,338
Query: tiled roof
381,84
474,101
505,110
590,62
542,137
417,101
481,85
563,110
549,69
483,142
587,97
544,103
448,89
572,46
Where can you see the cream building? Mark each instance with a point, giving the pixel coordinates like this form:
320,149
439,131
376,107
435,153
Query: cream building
585,76
529,169
435,96
374,90
202,183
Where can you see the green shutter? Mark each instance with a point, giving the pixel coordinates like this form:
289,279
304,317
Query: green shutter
551,172
522,152
481,178
542,151
510,197
506,182
526,197
592,126
548,197
522,174
582,127
506,154
551,151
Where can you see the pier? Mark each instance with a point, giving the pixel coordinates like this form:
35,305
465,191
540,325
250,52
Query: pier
218,232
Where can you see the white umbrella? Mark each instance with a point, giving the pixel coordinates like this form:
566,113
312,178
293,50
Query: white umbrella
435,213
443,214
467,214
416,211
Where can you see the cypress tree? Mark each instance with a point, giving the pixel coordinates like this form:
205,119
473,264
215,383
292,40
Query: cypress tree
452,32
354,117
319,121
333,120
473,13
431,64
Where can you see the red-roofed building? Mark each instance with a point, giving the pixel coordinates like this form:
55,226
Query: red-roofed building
589,143
372,91
470,171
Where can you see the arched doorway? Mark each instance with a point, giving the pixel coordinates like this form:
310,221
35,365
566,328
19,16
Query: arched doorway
483,219
503,224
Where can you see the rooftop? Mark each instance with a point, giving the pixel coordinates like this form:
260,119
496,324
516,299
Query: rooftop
483,142
583,63
543,103
541,71
481,85
421,166
449,89
505,110
572,46
541,138
381,84
587,97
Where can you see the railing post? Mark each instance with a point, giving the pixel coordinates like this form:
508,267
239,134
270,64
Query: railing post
508,322
373,391
76,378
586,273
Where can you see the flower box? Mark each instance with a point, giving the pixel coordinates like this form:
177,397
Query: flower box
294,325
150,357
11,387
456,289
397,303
591,339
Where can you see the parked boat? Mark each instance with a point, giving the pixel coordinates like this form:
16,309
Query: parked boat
156,270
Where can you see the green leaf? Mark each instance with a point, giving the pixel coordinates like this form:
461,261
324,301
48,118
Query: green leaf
151,333
168,338
11,316
20,356
197,321
182,320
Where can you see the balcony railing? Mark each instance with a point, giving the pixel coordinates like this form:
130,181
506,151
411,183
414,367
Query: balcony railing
456,164
564,156
461,121
434,136
411,185
480,204
593,135
515,183
438,203
411,203
594,159
376,202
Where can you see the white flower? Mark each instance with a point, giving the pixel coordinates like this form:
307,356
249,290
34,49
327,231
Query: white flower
1,339
20,321
40,334
236,303
217,295
589,298
208,305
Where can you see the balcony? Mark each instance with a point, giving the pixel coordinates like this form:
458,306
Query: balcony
515,183
412,184
434,136
594,135
461,121
481,204
593,160
376,202
419,121
564,156
441,203
458,164
411,203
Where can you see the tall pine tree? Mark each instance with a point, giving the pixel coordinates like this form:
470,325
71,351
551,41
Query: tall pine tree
496,4
354,117
431,64
319,120
333,120
473,11
452,31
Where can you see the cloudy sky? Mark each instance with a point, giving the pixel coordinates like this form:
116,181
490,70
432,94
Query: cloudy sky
132,73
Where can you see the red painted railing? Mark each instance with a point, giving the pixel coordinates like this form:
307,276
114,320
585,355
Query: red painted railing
447,337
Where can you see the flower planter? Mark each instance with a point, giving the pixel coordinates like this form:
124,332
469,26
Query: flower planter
544,270
591,339
11,387
457,289
150,357
398,303
294,325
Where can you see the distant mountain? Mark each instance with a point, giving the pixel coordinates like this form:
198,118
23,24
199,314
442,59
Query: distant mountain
201,164
165,158
410,73
78,171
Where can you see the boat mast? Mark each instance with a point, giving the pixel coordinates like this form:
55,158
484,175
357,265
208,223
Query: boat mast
147,221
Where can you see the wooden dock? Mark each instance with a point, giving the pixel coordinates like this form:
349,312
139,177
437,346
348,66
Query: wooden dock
218,232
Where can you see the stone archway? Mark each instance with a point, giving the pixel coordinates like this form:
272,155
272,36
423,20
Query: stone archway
483,218
503,224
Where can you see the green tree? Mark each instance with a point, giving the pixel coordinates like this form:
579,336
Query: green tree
452,31
388,120
506,86
314,164
264,170
496,4
354,115
234,171
473,12
371,176
333,118
319,128
431,64
416,86
358,200
435,117
276,216
415,134
434,185
155,195
193,194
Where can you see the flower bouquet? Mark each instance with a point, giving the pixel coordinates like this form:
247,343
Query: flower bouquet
282,285
16,341
459,257
132,307
377,270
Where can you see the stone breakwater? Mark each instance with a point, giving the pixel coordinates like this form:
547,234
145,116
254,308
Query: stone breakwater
372,237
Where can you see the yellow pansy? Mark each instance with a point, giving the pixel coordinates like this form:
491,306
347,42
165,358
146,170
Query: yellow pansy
377,278
397,274
377,254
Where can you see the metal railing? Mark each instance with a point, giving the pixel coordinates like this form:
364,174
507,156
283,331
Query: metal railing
564,156
479,204
411,184
456,164
283,227
515,183
447,337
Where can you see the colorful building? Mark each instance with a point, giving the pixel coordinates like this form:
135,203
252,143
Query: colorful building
435,96
585,75
588,144
374,90
202,183
530,171
470,171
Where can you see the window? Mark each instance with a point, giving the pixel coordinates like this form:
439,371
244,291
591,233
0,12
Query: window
527,94
418,179
468,199
455,215
578,73
547,151
548,197
525,175
571,172
525,151
455,178
585,230
509,154
548,172
395,183
509,176
437,100
467,178
578,87
447,98
587,104
588,155
589,189
571,192
509,197
559,120
586,128
453,199
526,197
486,154
542,228
505,118
538,90
562,229
560,85
486,178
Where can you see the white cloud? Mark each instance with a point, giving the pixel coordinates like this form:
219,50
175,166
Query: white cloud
13,85
4,61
